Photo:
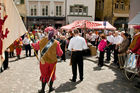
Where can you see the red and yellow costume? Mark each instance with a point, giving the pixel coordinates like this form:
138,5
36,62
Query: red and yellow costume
135,45
49,59
18,45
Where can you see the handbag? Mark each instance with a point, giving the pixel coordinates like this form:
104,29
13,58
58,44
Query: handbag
130,63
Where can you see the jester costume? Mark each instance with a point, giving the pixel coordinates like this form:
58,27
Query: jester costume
49,48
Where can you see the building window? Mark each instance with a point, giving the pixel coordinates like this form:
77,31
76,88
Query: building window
44,10
21,1
116,5
122,6
58,10
33,10
78,10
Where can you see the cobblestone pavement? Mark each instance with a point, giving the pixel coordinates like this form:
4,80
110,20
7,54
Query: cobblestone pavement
23,77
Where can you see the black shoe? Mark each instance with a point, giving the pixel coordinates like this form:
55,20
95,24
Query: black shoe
1,70
100,65
137,86
52,89
107,61
41,91
81,80
72,80
138,83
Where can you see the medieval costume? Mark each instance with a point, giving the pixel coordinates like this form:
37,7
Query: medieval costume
18,46
135,48
49,48
11,47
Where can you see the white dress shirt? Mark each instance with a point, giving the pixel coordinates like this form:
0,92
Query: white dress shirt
77,43
26,41
110,39
93,37
117,39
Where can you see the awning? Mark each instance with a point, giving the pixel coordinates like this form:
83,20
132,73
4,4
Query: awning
89,25
135,20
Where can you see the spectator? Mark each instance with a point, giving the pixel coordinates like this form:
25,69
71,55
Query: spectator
117,41
63,47
35,41
101,48
26,42
122,50
109,46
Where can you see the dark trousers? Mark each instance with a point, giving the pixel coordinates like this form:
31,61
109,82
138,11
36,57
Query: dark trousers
36,52
108,52
77,59
28,48
63,57
12,54
115,55
101,58
5,63
93,43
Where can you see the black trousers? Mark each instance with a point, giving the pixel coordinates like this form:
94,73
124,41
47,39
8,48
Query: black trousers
36,52
101,58
5,63
63,57
108,52
93,43
28,48
77,59
115,55
12,54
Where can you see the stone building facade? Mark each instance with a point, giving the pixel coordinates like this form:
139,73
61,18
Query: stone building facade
114,11
45,12
80,10
55,12
20,4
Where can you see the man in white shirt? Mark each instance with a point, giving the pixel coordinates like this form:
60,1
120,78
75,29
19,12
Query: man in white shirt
109,46
76,45
117,41
93,38
26,42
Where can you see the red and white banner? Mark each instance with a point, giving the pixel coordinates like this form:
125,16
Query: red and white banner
13,27
13,22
